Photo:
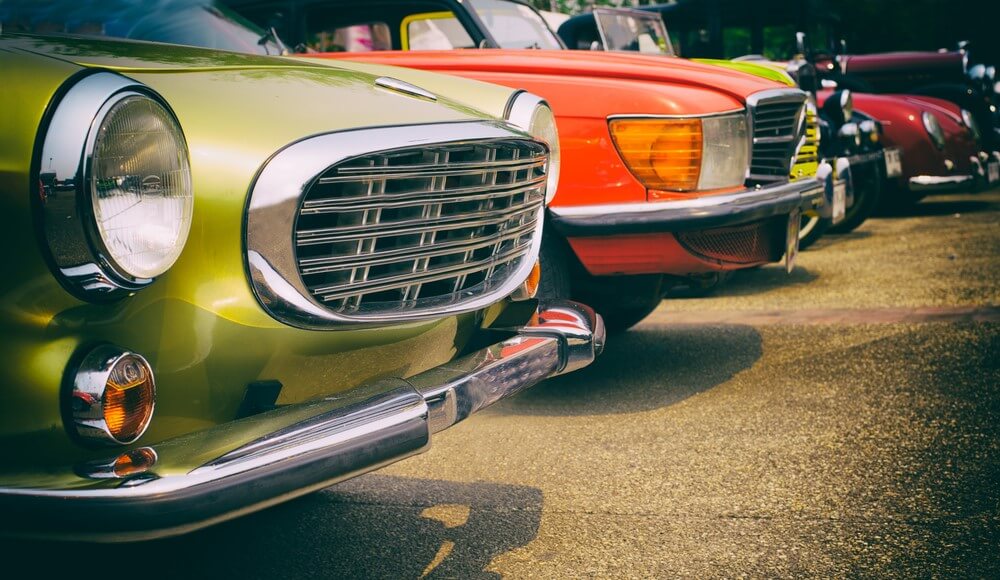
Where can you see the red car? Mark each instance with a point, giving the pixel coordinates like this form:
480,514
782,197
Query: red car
672,171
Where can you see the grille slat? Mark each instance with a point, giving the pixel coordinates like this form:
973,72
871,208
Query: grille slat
400,229
776,132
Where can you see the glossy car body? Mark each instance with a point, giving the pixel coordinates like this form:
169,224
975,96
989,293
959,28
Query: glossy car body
928,167
614,224
262,393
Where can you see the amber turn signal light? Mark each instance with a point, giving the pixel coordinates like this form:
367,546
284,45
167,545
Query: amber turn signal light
662,153
113,396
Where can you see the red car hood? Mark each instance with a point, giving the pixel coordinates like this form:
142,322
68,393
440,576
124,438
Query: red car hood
882,61
573,63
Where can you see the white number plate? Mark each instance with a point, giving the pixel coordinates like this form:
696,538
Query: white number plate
792,240
893,163
993,171
839,201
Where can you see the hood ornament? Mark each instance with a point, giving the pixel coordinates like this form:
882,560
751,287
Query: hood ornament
406,88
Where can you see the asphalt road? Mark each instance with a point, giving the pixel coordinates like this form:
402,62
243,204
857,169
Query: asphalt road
841,421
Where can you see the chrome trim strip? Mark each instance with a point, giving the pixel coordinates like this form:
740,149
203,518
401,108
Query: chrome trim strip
234,468
273,208
702,212
697,116
404,87
940,184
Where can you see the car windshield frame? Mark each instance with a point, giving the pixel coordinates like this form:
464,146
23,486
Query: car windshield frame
652,19
133,19
486,12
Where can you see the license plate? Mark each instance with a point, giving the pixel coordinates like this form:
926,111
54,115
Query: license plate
893,163
839,201
792,240
993,171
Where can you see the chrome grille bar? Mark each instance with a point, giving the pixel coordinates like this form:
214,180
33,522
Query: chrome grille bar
777,121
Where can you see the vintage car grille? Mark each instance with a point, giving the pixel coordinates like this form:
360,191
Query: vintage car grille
807,159
778,125
753,243
411,227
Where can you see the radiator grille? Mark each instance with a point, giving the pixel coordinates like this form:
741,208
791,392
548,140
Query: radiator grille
753,243
778,127
398,229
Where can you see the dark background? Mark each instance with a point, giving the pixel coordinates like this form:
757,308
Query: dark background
866,25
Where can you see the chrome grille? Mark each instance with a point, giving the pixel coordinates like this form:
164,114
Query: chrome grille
411,227
777,121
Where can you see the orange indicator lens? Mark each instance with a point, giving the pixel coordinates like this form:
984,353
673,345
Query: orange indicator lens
662,153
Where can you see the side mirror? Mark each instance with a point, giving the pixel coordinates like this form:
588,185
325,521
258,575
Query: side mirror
800,43
596,45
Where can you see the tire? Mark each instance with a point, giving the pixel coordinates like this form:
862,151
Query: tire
623,301
812,229
557,262
867,186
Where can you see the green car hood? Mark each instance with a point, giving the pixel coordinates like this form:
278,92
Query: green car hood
761,70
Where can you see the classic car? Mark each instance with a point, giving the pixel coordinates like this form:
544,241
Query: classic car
949,75
672,172
852,190
935,155
236,279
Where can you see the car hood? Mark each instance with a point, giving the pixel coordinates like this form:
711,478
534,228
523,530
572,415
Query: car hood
608,65
208,88
921,60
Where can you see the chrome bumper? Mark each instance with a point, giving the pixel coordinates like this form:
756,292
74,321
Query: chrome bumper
697,213
950,183
232,469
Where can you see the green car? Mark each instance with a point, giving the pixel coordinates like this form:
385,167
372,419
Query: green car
236,279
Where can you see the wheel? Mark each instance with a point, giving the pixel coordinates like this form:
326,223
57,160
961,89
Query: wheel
622,300
867,186
812,229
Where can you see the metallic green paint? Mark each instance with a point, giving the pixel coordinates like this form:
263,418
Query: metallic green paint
199,325
754,68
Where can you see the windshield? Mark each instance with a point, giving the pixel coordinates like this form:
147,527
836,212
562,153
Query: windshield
627,30
191,22
514,25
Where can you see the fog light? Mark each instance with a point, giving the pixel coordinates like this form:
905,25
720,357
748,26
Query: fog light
113,396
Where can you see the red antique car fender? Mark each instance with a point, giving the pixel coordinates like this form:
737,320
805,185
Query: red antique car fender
926,167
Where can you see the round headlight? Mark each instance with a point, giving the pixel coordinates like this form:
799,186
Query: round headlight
140,182
114,190
970,122
533,115
933,128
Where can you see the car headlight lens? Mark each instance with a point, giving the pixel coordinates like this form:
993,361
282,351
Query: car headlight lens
970,122
140,181
933,128
689,154
533,115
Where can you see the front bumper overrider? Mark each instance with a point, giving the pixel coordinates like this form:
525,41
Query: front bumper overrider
235,468
695,213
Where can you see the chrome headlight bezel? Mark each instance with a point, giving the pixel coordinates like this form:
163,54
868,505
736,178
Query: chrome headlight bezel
970,123
933,128
64,202
533,115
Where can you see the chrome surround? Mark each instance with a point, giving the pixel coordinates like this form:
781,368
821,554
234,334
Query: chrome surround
273,205
86,397
697,116
795,141
82,263
234,468
519,110
404,87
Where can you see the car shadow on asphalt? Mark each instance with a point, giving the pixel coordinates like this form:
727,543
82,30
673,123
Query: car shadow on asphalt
374,526
763,279
649,367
